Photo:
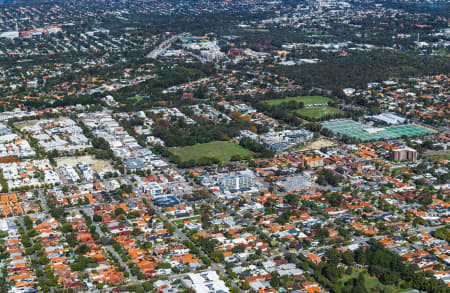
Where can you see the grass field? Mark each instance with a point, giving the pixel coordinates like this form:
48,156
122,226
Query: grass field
136,98
222,150
372,283
181,221
318,112
307,100
438,158
316,33
260,30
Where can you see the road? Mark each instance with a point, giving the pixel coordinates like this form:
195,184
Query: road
33,255
164,46
357,240
363,240
214,266
437,153
43,200
111,249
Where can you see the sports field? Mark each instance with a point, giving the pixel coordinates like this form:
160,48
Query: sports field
318,112
135,98
365,132
307,100
222,150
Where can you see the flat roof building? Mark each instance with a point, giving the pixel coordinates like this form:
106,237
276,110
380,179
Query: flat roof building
206,282
388,119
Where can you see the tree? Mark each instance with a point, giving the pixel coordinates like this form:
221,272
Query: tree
28,222
235,158
66,228
332,256
100,143
335,199
97,218
239,248
256,147
136,232
327,177
82,249
126,188
119,211
245,286
44,260
275,282
57,212
323,233
292,199
234,290
331,272
347,258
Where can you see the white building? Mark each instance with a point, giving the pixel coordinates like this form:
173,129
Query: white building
240,182
388,119
151,188
281,140
206,282
86,171
69,173
9,35
249,134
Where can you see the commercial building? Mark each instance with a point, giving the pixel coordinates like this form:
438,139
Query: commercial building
206,282
388,119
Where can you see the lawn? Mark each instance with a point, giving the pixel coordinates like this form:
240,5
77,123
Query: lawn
136,98
181,221
438,158
222,150
259,30
443,52
307,100
318,112
372,283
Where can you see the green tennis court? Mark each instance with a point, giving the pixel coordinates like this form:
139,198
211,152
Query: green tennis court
365,132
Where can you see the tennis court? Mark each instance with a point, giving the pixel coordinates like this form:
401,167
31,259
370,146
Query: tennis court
365,132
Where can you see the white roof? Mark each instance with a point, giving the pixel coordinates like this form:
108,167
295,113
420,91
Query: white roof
207,282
